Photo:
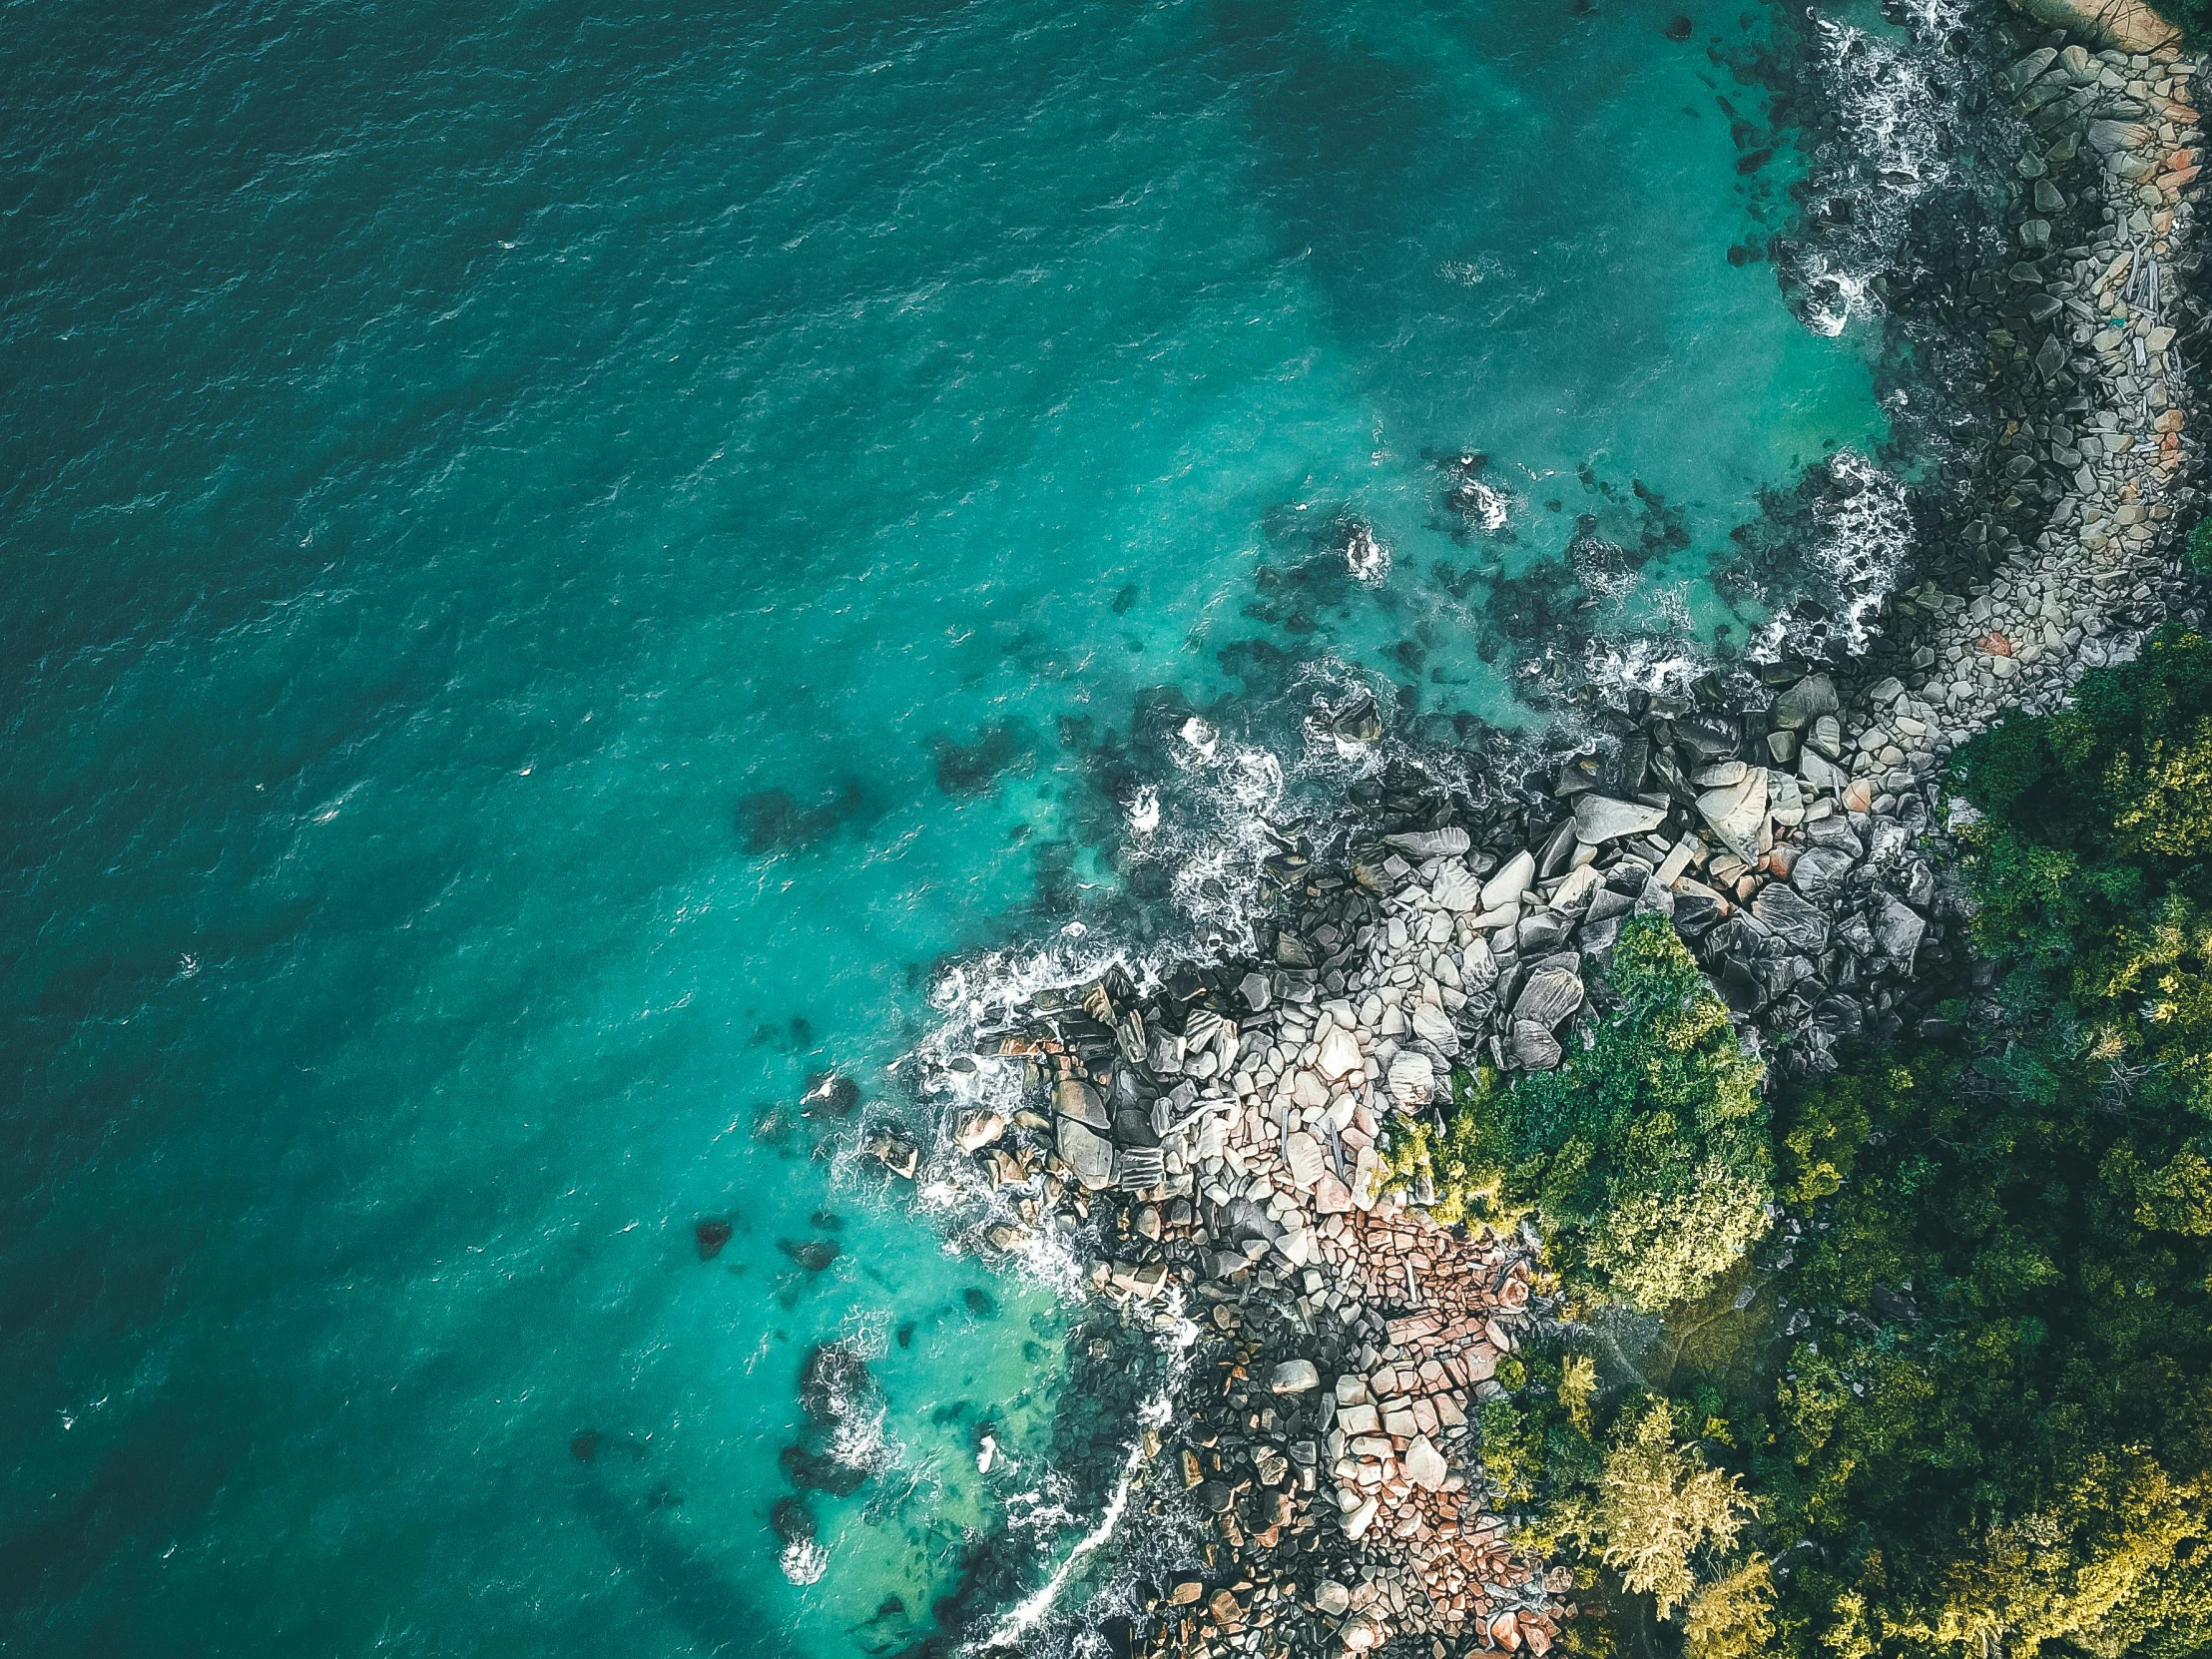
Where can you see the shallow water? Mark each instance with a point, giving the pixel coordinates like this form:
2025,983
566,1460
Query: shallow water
560,563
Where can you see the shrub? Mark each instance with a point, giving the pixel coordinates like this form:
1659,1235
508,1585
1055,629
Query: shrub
1643,1154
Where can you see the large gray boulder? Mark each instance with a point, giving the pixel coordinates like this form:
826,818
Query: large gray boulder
1806,702
1429,843
1090,1154
1533,1046
1819,870
1073,1097
1738,812
1791,918
1550,996
1599,818
1898,930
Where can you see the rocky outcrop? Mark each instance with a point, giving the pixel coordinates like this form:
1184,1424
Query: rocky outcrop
1222,1134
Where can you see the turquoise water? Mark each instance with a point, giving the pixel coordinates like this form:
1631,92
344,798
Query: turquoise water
559,562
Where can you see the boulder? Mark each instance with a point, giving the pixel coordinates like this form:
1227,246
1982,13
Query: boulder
1412,1079
1432,1025
1550,996
1541,930
1819,869
1256,992
1307,1160
1574,889
1331,1197
1821,774
901,1157
1533,1046
1508,885
1073,1097
979,1129
1163,1052
1293,1376
1898,930
1429,843
1599,818
1340,1054
1738,812
1087,1153
1355,1524
1331,1599
1455,889
1423,1465
1791,918
1806,702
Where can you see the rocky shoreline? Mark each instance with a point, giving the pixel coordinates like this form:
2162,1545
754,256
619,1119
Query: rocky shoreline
1218,1136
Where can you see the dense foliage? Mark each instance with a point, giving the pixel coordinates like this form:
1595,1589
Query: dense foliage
1643,1154
1963,1402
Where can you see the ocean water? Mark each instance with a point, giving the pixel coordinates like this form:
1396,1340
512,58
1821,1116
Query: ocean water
561,562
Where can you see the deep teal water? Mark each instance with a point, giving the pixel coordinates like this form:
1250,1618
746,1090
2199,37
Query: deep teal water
559,560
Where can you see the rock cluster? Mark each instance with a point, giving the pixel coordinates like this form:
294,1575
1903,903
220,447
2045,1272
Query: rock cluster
2074,556
1223,1132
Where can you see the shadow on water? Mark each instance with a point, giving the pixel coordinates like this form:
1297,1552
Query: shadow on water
673,1578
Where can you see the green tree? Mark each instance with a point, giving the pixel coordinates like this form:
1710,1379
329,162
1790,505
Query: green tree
1643,1154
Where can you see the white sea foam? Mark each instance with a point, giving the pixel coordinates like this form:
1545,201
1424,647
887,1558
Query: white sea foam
1368,556
1864,535
803,1561
1898,122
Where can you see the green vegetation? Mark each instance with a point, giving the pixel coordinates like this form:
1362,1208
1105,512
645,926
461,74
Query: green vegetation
1643,1156
1965,1407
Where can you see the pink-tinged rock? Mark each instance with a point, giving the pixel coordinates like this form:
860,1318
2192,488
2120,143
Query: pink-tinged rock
1425,1464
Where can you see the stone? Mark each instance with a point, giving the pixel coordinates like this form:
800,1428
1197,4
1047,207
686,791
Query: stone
1431,1024
1806,702
1293,1376
1819,869
1737,814
1423,1465
1087,1153
1429,843
1332,1599
902,1158
1186,1594
979,1129
1340,1054
1533,1046
1508,885
1542,931
1256,992
1412,1079
1898,930
1455,889
1722,775
1599,818
1356,1525
1331,1197
1550,996
1074,1098
1306,1159
1821,773
1796,922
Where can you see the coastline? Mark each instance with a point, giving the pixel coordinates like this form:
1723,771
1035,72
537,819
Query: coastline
1216,1143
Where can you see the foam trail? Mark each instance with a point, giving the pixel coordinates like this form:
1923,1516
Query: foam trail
1033,1607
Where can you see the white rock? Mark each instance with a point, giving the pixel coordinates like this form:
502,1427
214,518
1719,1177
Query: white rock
1412,1078
1340,1053
1508,885
1357,1523
1425,1464
1455,889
